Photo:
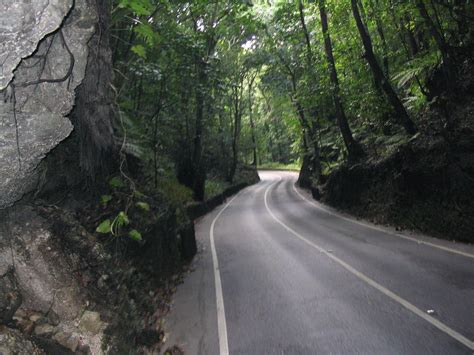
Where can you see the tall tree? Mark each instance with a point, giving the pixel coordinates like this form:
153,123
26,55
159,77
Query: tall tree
312,126
237,99
251,119
444,48
353,147
379,76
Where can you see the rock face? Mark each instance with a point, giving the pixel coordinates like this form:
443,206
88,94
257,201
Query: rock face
44,54
90,322
41,273
45,284
22,26
13,342
10,297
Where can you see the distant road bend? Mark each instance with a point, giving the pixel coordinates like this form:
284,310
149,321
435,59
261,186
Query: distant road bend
281,274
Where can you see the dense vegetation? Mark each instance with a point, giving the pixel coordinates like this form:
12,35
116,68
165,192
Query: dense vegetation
205,85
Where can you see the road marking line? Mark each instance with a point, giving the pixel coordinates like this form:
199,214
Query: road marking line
221,322
433,321
418,241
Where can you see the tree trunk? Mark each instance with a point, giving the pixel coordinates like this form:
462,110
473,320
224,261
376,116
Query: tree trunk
314,162
197,171
409,44
236,135
353,148
413,44
92,115
381,33
379,76
306,35
449,66
304,178
311,127
252,123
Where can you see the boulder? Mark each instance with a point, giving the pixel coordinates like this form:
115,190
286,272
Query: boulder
40,72
23,25
90,322
45,330
70,341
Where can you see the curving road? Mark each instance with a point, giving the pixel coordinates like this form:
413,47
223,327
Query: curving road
281,274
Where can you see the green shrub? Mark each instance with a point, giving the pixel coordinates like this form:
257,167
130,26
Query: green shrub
177,195
214,188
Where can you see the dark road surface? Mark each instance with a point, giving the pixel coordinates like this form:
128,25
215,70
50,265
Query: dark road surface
280,274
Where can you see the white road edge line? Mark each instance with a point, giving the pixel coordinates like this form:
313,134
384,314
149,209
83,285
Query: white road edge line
415,240
412,308
221,322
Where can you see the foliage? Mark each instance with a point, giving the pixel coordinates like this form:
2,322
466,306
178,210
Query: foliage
118,203
205,85
143,205
214,187
176,194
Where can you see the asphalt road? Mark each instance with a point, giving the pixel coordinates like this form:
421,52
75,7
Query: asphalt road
280,274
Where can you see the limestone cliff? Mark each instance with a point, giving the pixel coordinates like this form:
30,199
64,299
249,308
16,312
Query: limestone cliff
44,51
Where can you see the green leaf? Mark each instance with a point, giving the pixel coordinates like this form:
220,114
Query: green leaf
122,219
116,182
139,50
104,227
135,235
126,104
143,205
138,194
124,3
145,31
104,199
141,7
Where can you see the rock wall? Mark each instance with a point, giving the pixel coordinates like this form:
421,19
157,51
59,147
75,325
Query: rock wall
23,25
45,285
44,51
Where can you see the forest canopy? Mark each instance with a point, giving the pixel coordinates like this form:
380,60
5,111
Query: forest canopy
206,86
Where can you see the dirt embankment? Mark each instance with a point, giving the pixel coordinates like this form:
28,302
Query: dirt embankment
428,183
65,288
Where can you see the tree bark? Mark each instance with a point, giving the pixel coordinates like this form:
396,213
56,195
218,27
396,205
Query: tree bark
92,115
197,178
313,164
379,76
237,128
353,147
311,127
304,178
407,34
306,35
252,123
198,173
